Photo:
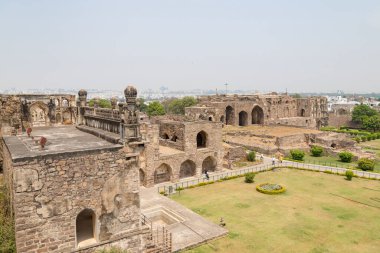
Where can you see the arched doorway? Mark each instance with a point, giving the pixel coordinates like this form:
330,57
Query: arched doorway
58,118
229,115
162,173
222,119
201,139
209,164
85,228
302,112
66,117
243,118
257,115
142,176
165,136
38,114
187,169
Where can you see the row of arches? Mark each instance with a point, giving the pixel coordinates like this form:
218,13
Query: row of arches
257,116
201,139
188,168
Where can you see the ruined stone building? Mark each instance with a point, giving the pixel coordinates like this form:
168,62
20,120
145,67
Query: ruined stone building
22,111
268,109
179,149
77,191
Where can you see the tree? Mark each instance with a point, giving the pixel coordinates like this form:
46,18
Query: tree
372,123
141,105
177,106
103,103
296,95
155,108
362,112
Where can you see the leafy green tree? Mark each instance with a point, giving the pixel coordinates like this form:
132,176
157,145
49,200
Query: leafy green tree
362,112
296,95
155,108
141,105
177,106
103,103
372,123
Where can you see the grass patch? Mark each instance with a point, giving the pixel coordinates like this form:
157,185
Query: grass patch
306,218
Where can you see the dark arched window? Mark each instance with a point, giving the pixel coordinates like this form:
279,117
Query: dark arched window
85,228
201,139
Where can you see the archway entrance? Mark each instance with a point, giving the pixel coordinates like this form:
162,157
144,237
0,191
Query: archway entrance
222,119
201,139
229,115
188,169
162,174
85,228
209,164
302,112
257,115
243,118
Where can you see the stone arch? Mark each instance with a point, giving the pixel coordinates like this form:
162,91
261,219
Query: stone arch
303,113
209,164
65,102
210,118
165,136
58,118
230,112
187,169
85,227
201,139
39,114
163,173
243,118
66,117
142,177
257,115
174,138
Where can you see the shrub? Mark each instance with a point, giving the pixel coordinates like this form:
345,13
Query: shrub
316,151
268,188
249,177
251,156
345,156
297,154
366,164
357,139
349,174
364,138
378,135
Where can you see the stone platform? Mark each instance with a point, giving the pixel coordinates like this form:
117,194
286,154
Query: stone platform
188,228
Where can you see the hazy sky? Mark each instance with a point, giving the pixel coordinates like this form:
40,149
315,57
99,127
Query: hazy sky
261,45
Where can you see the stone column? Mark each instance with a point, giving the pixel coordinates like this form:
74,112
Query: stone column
82,95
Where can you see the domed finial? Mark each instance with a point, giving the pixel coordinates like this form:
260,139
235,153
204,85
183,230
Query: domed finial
82,93
130,92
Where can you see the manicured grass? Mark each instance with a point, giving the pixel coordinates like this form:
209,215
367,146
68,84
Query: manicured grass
335,162
373,146
306,218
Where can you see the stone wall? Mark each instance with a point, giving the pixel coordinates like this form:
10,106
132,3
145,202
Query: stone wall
260,109
50,191
190,161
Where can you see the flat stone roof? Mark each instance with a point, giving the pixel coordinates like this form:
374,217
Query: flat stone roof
60,140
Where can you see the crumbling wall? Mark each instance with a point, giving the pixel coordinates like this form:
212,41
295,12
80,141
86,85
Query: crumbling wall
50,191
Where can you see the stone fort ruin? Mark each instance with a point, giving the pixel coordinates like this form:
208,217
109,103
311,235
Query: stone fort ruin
264,109
80,191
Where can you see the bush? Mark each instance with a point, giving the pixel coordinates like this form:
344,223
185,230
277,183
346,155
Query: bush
349,174
249,177
297,154
345,156
364,138
378,135
366,164
316,151
358,139
251,156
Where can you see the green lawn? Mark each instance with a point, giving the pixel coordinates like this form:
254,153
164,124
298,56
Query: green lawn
372,146
306,218
335,162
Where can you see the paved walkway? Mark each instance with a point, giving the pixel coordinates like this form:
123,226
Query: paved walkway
187,228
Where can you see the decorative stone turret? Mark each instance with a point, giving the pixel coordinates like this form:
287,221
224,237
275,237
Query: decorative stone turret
131,128
130,95
82,94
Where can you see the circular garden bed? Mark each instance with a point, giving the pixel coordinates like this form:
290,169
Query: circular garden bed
269,188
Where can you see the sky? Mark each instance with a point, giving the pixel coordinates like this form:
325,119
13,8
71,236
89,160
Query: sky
298,45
